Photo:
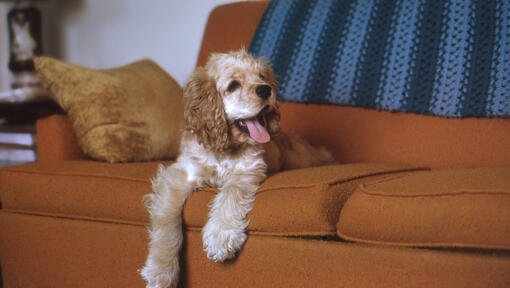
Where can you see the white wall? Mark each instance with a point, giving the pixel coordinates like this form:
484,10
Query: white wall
108,33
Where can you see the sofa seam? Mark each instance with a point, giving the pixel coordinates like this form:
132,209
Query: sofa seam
143,224
62,174
381,173
362,188
355,239
69,217
343,180
329,183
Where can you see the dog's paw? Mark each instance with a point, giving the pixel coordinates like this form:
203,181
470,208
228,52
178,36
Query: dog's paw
160,277
222,244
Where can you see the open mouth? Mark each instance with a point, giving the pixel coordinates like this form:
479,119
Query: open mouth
255,127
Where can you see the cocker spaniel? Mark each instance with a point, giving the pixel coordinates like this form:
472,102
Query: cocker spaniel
231,115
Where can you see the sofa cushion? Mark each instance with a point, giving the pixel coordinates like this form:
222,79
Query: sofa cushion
303,202
447,208
362,135
129,113
78,189
299,202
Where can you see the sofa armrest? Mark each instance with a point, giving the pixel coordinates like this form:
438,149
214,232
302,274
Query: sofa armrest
56,139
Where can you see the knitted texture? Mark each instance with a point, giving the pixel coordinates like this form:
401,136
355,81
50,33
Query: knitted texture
449,58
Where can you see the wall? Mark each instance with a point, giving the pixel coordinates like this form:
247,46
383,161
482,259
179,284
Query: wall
105,34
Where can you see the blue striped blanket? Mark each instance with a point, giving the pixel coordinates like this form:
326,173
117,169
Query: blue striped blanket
436,57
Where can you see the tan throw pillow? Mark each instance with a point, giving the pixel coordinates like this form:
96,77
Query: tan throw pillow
130,113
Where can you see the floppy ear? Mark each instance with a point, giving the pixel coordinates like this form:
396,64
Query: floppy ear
204,112
273,114
273,118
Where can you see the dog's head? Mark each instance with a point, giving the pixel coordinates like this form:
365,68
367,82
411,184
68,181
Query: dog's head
232,101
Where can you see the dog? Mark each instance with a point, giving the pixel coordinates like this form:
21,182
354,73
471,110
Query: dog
231,115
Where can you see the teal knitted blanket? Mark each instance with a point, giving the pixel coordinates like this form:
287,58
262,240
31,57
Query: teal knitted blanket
435,57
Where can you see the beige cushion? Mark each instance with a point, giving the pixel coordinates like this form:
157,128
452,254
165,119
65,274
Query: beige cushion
448,208
131,113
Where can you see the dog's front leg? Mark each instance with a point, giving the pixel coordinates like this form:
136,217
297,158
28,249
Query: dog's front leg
171,186
225,232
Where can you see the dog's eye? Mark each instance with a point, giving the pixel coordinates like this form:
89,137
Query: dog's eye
233,86
261,77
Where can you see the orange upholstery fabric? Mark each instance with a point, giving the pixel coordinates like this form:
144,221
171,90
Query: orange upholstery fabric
229,27
55,252
299,202
96,254
365,135
79,189
56,139
303,202
287,262
449,208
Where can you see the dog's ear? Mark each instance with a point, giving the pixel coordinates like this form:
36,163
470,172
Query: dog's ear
273,119
273,114
204,112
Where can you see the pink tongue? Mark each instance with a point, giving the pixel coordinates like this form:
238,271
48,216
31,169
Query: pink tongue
257,131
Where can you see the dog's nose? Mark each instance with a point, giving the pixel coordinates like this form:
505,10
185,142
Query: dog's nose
263,91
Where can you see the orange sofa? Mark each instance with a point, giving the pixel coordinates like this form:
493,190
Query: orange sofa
416,201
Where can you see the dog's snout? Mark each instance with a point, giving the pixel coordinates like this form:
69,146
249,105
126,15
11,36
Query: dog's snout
263,91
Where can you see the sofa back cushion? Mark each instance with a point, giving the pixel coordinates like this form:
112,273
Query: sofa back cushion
367,135
230,27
